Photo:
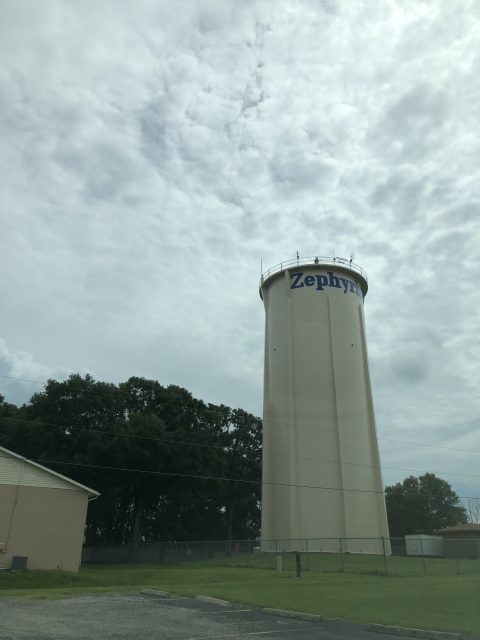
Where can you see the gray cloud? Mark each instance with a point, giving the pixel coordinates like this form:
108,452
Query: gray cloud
152,157
411,367
21,376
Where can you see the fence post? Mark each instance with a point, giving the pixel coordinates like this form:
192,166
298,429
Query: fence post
306,551
298,564
341,557
226,551
384,557
279,564
423,558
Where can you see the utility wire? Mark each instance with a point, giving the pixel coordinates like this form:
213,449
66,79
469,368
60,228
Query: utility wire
223,478
410,442
223,448
277,422
87,429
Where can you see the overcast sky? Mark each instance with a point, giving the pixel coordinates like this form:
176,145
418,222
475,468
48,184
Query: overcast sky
152,152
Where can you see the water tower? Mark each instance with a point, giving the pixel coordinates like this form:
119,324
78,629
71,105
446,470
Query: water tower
321,469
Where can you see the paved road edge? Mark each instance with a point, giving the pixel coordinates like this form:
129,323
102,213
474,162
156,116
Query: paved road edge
160,594
414,633
284,613
312,617
210,600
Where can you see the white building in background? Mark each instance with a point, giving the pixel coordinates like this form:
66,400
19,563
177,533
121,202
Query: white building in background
423,545
321,469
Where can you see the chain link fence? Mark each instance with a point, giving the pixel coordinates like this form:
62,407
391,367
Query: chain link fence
425,555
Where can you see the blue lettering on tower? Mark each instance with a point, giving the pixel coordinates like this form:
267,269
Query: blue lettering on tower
322,281
333,281
297,277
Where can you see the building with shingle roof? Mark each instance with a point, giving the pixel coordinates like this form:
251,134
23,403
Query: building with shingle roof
461,541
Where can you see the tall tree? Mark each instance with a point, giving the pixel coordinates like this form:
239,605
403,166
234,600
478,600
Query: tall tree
6,409
156,455
422,505
243,494
472,508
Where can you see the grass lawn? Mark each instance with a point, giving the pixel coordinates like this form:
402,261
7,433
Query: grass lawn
358,563
450,603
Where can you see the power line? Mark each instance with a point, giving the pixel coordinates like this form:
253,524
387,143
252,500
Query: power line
86,429
224,449
277,422
223,478
416,444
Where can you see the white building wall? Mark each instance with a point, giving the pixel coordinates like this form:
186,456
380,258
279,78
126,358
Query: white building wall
424,545
42,515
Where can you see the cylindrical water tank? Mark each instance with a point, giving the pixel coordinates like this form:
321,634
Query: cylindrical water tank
321,478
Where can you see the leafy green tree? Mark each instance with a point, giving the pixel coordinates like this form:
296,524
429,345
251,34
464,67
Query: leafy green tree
112,437
243,455
422,505
7,410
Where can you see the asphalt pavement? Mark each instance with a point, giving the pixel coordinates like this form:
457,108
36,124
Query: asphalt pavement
137,616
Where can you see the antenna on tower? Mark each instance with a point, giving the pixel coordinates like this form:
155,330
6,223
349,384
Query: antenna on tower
352,257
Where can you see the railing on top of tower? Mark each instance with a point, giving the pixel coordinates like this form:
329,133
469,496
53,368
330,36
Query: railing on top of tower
313,260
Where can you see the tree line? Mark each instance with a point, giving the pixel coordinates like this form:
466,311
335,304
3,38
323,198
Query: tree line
169,466
123,433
